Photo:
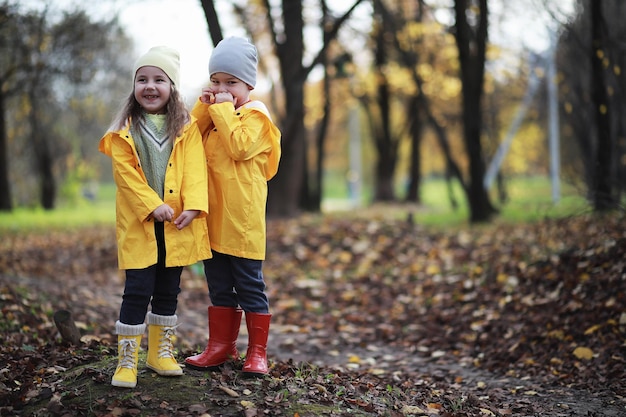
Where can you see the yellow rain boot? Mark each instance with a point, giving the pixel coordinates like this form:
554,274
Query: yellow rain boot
128,344
160,348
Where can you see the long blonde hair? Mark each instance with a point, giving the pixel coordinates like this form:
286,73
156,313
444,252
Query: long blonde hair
177,115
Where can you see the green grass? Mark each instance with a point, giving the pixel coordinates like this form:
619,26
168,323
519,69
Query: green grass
77,214
530,199
23,219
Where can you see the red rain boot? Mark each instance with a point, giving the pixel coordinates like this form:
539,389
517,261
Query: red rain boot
224,325
256,358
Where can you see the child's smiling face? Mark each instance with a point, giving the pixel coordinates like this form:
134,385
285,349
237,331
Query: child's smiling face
152,89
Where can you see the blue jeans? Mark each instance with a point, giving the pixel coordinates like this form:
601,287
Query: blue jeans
156,285
234,281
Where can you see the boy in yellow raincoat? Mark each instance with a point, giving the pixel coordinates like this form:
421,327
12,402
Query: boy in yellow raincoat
242,147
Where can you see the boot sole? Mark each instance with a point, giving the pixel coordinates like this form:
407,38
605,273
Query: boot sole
254,374
174,372
205,368
123,384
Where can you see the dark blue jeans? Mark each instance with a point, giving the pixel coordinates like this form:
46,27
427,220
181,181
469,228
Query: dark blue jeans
156,285
236,282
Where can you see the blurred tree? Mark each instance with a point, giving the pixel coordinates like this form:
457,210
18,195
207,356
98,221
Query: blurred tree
12,58
412,97
417,36
312,196
44,67
212,20
470,32
603,190
387,143
592,84
289,190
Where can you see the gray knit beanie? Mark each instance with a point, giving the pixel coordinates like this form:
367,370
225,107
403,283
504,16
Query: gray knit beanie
235,56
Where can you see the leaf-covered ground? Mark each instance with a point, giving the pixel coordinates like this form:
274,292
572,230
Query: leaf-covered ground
371,316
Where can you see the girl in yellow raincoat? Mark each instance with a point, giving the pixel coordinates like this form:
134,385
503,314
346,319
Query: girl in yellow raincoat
159,168
242,146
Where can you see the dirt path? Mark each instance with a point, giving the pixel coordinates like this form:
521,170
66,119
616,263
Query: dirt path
494,316
289,343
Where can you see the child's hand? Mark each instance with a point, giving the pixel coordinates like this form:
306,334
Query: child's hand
225,98
207,96
185,218
163,213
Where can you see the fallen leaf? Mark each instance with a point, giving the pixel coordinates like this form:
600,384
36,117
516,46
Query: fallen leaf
592,329
583,353
247,404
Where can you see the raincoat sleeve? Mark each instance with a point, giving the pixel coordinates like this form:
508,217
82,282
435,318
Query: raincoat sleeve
131,182
201,112
247,133
195,183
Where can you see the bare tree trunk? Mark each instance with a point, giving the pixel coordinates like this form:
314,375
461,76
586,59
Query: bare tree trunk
385,143
5,185
41,139
602,193
212,20
285,190
620,145
386,163
471,43
314,194
415,129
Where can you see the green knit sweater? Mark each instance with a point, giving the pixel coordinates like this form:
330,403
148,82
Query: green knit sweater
154,149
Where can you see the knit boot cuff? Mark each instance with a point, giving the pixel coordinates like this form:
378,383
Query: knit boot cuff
129,329
162,320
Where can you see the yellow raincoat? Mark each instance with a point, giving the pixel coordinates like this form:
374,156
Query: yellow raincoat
243,151
185,189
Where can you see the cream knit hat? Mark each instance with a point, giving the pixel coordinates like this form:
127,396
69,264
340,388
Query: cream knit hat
163,57
235,56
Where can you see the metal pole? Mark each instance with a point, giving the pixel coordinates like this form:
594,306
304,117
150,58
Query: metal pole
553,120
496,162
355,175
